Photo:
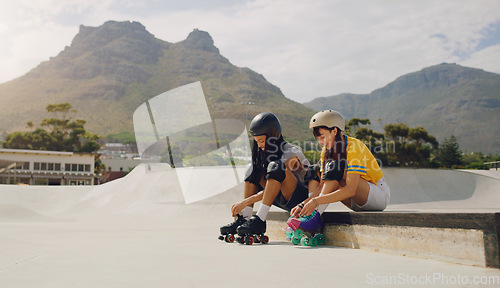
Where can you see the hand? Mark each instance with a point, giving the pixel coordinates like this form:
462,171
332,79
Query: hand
295,211
237,208
308,208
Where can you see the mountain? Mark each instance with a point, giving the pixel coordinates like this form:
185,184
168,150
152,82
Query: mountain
445,99
110,70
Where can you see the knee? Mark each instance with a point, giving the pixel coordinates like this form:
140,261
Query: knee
311,174
276,171
334,170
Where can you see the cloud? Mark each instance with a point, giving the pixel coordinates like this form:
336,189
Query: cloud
308,49
325,48
484,59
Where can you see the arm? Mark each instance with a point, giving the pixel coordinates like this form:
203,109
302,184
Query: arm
327,196
314,190
238,207
296,210
293,164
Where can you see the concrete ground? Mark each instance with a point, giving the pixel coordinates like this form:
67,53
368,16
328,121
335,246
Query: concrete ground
137,232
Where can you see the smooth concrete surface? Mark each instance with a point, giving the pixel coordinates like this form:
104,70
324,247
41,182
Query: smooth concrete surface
137,232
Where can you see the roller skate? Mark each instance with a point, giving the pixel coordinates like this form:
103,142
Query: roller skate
228,231
252,231
307,230
288,233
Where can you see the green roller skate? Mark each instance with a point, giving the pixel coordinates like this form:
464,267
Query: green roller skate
307,230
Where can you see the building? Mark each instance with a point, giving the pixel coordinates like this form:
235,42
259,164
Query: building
118,151
33,167
117,168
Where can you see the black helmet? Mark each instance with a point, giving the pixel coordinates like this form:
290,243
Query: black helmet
265,124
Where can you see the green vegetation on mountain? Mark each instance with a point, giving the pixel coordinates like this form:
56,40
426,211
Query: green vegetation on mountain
110,70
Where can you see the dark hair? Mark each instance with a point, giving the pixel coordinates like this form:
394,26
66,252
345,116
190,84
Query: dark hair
260,159
316,130
339,151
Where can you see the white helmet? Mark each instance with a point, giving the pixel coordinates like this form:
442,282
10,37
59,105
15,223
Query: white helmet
328,118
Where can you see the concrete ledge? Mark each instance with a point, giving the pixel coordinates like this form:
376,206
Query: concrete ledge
462,238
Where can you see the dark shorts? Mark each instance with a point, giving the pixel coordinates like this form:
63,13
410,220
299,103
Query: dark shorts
300,194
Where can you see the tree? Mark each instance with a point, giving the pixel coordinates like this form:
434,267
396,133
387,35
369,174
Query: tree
62,134
409,146
354,124
450,154
397,132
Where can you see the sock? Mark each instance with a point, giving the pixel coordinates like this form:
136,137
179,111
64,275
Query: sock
247,212
263,210
321,208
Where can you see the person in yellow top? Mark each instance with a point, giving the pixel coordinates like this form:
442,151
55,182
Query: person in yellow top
348,171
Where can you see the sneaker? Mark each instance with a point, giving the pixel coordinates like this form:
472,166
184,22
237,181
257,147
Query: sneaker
252,227
231,227
307,223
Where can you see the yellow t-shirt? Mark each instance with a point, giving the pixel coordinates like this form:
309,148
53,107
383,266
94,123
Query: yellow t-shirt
360,160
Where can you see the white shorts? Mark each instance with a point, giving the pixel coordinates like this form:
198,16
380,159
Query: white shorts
378,197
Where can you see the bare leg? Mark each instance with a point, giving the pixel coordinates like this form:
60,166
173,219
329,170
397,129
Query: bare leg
250,190
361,196
362,192
332,186
313,185
273,187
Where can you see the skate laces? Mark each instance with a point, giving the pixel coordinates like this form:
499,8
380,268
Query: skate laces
249,222
308,218
238,221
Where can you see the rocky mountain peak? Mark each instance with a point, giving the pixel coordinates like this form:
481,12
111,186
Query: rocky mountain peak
111,50
200,40
96,37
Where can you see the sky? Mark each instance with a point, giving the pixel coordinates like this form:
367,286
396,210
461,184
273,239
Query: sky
308,49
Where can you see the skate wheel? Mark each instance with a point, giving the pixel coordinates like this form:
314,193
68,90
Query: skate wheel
229,238
320,238
248,240
305,241
264,239
314,242
295,241
298,234
256,239
240,240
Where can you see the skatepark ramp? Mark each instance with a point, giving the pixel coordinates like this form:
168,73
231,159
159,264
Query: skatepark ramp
447,215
